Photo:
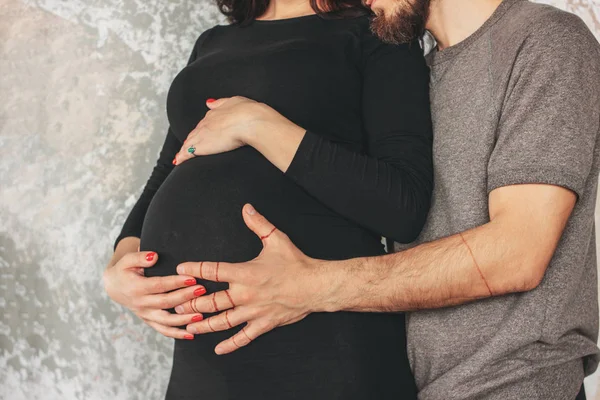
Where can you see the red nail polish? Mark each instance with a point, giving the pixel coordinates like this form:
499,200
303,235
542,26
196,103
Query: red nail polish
189,337
210,100
197,318
175,161
150,256
200,291
190,282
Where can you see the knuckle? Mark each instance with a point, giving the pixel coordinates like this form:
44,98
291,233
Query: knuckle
162,302
244,339
220,324
134,290
270,323
243,274
136,305
244,297
210,268
128,260
280,237
189,306
159,286
255,313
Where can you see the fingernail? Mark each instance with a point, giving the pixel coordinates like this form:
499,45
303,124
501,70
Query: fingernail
175,161
179,309
150,256
180,269
200,291
189,337
250,210
191,328
190,282
210,100
219,350
197,318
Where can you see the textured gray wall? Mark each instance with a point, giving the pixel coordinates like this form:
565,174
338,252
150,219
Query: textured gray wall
83,86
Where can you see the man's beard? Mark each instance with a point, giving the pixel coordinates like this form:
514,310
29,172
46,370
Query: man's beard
407,22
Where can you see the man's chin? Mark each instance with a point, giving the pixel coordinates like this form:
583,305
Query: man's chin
401,25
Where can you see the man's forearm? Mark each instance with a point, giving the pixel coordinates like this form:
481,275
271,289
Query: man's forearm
432,275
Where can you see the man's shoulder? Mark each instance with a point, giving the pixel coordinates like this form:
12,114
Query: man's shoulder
534,35
529,23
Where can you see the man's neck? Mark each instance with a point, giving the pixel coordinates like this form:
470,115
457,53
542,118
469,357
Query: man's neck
452,21
281,9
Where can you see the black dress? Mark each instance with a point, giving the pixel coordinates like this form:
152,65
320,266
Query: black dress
363,170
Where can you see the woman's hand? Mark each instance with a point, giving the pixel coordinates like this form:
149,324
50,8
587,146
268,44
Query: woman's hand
147,297
229,124
222,129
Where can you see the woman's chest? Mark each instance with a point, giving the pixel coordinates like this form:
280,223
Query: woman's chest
316,84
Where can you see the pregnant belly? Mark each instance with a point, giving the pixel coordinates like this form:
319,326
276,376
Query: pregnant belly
196,216
196,213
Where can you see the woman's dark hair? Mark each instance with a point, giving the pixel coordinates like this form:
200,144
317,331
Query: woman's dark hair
243,11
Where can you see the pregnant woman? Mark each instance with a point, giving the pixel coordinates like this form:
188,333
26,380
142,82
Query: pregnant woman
362,170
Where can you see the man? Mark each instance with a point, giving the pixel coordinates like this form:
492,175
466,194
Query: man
504,277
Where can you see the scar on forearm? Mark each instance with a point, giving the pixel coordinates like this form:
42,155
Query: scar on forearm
476,264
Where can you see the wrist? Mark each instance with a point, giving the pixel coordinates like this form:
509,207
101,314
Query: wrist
267,127
326,282
256,126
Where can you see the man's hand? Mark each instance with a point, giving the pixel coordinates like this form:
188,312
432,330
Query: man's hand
279,287
147,298
509,254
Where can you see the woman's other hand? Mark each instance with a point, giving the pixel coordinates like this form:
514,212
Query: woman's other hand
225,127
149,297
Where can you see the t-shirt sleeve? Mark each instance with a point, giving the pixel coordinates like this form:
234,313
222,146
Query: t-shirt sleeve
549,120
164,165
387,187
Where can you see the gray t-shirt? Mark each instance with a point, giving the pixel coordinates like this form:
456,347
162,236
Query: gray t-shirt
516,102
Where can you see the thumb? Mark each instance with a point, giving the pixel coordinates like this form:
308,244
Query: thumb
212,103
256,222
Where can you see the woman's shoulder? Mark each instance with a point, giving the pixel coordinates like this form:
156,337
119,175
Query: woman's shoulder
357,23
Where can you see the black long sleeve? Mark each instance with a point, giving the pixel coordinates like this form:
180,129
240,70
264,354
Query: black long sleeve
164,166
386,188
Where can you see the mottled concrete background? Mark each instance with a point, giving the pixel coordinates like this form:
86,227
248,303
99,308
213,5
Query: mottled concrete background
82,116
